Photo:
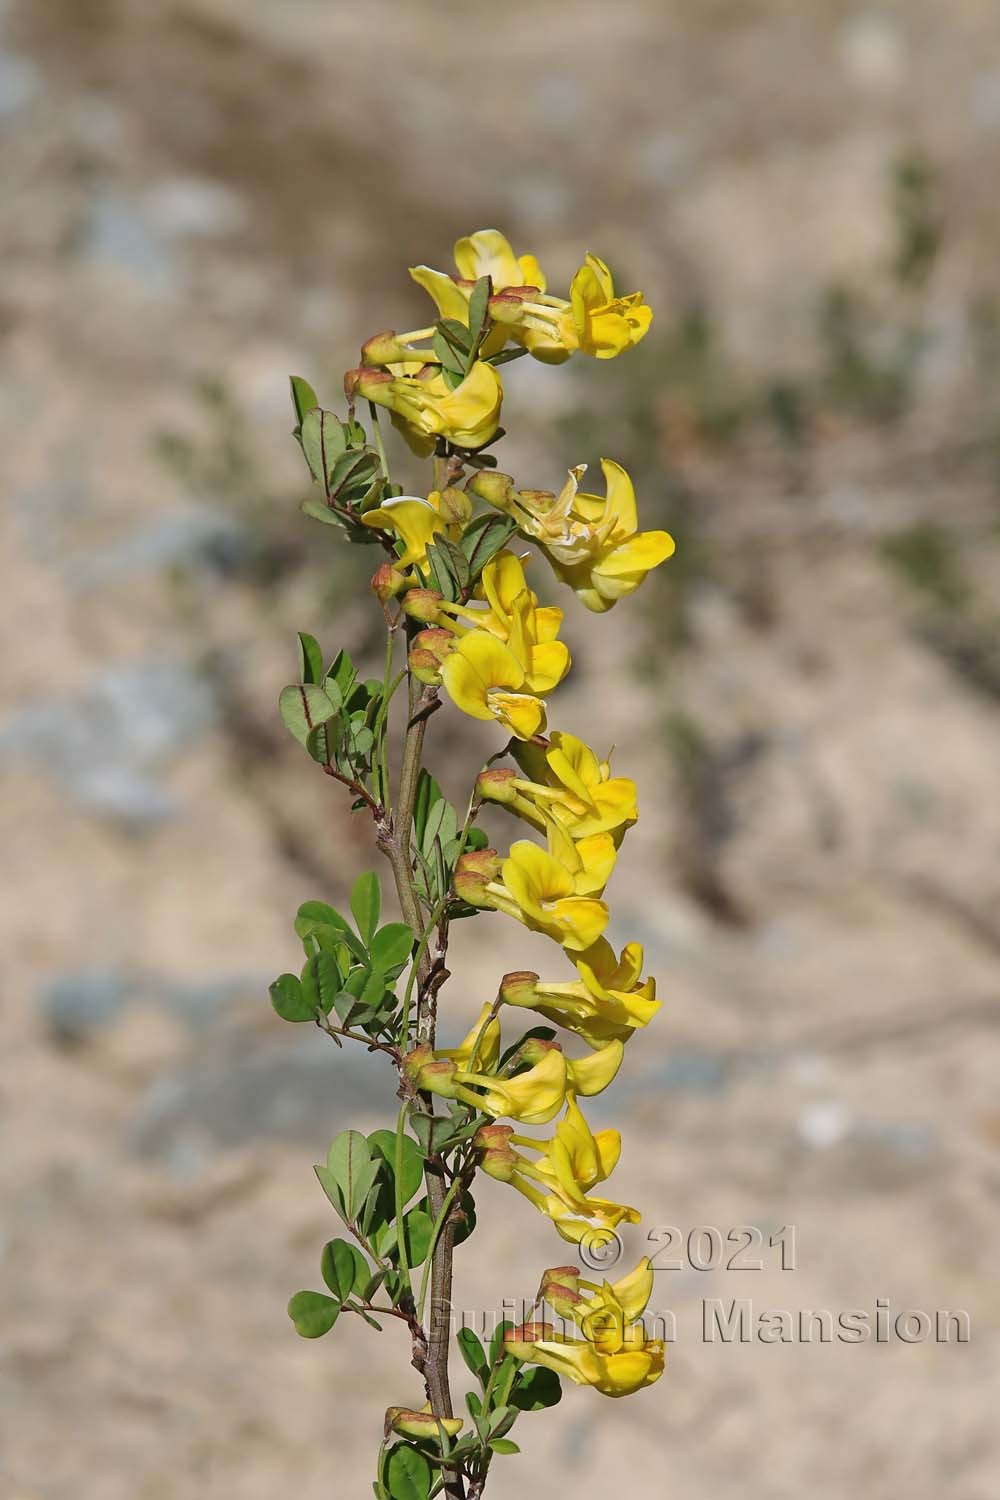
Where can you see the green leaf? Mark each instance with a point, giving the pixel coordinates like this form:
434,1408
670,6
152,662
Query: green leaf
428,793
479,317
323,440
474,1404
344,1269
536,1388
317,919
318,510
347,1006
324,742
502,1419
455,333
310,658
366,903
408,1473
383,1143
457,560
443,576
496,1342
441,826
417,1229
371,1286
391,946
321,982
351,1167
313,1314
473,1353
449,356
503,1445
290,1001
304,705
303,397
342,672
328,1183
436,1133
362,743
483,539
367,1318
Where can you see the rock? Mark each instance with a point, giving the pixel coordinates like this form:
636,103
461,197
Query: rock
20,84
104,745
302,1091
824,1124
76,1005
182,206
119,237
196,537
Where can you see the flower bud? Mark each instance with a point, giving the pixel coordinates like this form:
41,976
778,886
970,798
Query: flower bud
519,988
505,306
534,1048
492,486
423,605
473,872
429,649
384,349
500,1164
498,1159
430,1074
558,1287
491,1137
454,506
362,380
519,1341
496,785
388,581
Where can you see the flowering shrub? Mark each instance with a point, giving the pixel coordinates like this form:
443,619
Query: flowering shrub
455,589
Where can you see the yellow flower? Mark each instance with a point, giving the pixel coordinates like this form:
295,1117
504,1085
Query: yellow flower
506,657
489,253
558,1184
416,522
425,408
608,1002
485,253
605,325
509,610
533,1097
564,781
536,889
480,1047
585,1075
614,1355
594,321
486,680
592,544
563,1288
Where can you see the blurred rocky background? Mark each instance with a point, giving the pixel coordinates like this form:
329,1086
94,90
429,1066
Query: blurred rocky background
204,196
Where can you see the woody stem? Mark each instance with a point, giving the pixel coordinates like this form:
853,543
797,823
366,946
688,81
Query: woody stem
395,839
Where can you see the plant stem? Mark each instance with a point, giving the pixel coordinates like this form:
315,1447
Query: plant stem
404,1265
436,1232
395,840
379,444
